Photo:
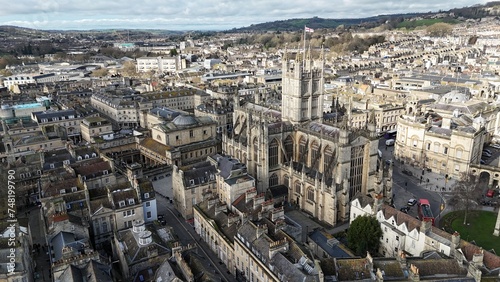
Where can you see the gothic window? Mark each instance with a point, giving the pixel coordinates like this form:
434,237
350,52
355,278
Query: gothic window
327,162
356,172
315,155
310,194
273,180
255,149
303,150
273,153
297,187
288,148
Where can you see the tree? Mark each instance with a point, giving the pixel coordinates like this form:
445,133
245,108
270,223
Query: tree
465,194
173,52
100,72
439,29
364,235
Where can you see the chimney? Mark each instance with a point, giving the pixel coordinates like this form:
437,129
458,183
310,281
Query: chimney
277,213
267,205
258,200
401,258
378,203
455,240
220,208
261,229
250,194
477,259
414,276
211,202
426,226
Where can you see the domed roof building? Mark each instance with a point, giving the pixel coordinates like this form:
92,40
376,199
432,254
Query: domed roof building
185,120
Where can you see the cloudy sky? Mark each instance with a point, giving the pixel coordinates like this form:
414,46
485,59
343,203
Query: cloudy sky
198,14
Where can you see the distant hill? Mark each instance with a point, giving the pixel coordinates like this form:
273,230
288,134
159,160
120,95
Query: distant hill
395,20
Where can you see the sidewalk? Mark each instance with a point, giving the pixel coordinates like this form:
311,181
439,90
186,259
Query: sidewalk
428,180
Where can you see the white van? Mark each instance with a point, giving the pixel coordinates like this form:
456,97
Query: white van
389,142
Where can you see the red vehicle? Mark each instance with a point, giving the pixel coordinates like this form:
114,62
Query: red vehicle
490,193
424,211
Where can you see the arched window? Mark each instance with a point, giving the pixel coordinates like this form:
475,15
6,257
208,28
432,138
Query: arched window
458,153
273,180
328,161
255,149
297,187
288,149
158,137
273,153
303,150
310,194
315,155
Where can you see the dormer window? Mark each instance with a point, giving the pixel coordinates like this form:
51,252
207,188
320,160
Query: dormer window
73,189
121,204
131,201
51,165
94,155
86,156
191,181
62,191
79,158
104,172
66,162
146,195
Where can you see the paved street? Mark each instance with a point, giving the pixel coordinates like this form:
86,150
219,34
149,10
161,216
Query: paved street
415,184
41,259
186,235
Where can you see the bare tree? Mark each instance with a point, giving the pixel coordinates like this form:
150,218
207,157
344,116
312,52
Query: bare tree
465,196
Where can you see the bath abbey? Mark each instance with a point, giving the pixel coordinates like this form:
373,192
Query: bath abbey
286,142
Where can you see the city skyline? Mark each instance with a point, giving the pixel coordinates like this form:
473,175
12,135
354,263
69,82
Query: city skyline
197,15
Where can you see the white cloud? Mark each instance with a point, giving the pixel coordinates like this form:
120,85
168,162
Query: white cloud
207,14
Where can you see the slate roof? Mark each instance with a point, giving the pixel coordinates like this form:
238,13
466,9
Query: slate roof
66,239
50,114
135,251
329,244
92,168
441,267
203,172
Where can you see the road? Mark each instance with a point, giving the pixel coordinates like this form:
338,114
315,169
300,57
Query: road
406,187
186,234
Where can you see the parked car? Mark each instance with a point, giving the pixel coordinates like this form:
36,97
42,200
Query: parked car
389,142
389,162
407,172
412,202
486,155
405,209
496,146
490,193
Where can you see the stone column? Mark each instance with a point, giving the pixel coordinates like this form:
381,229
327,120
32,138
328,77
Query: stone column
496,232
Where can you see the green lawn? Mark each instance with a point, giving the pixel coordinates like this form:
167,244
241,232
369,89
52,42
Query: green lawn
480,227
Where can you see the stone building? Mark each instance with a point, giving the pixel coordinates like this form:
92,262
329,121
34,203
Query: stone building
185,140
444,143
323,165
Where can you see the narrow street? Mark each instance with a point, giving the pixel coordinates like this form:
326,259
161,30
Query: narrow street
186,234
